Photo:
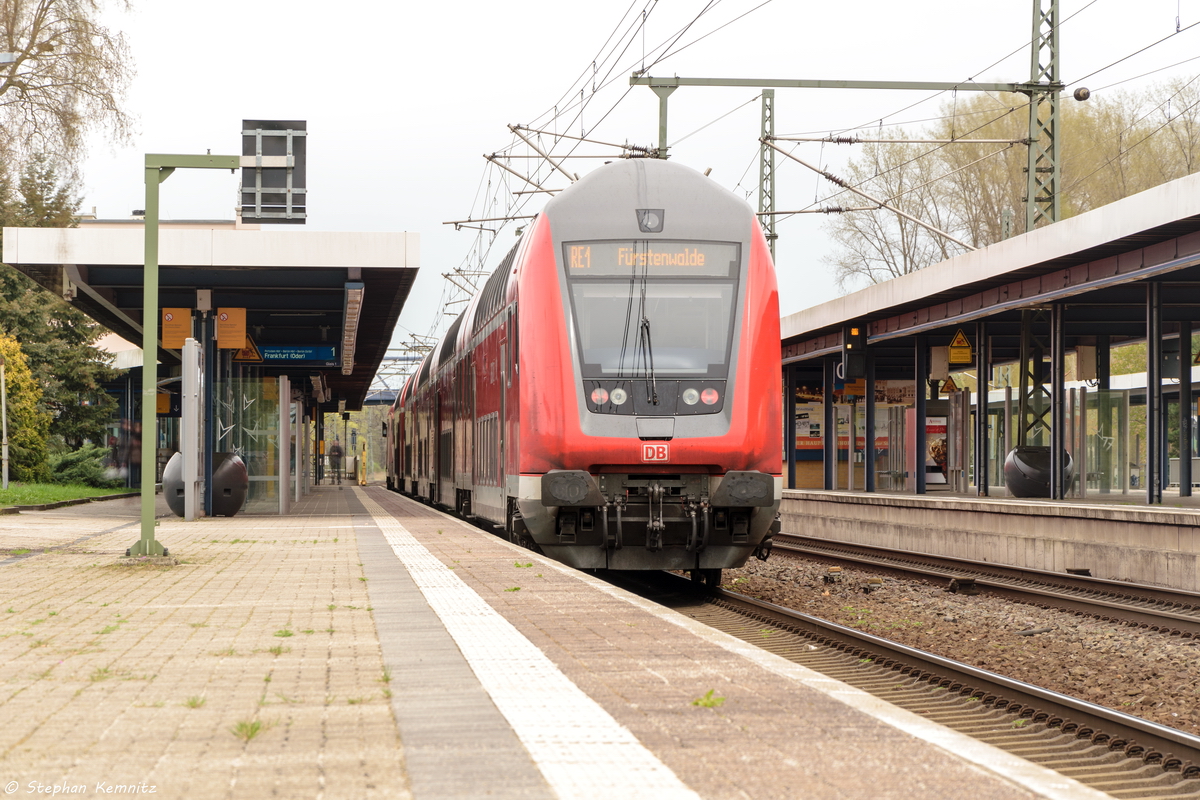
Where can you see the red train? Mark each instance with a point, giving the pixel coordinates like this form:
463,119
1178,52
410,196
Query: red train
612,397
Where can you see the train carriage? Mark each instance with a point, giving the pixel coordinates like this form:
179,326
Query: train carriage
612,396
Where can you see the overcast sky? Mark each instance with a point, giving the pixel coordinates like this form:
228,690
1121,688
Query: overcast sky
402,98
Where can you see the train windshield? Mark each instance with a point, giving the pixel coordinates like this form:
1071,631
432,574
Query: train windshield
653,308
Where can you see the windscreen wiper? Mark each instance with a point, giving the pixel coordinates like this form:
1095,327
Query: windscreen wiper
648,358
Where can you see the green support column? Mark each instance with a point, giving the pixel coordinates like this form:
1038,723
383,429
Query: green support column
147,545
158,169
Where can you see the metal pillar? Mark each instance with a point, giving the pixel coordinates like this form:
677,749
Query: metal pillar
766,170
158,168
189,436
869,424
921,364
1104,409
663,93
1058,377
209,328
147,545
285,443
789,423
829,426
1042,180
1033,420
1154,418
1185,408
982,380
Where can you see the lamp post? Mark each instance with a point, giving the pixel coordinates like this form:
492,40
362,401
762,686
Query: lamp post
158,169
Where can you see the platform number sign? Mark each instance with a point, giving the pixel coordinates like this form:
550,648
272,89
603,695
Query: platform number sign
656,452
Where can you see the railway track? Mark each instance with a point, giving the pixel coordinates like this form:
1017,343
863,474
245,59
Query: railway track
1154,608
1122,755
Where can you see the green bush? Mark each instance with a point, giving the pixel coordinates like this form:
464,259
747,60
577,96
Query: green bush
84,466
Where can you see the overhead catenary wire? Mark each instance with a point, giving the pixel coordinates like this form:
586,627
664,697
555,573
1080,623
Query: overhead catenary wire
834,179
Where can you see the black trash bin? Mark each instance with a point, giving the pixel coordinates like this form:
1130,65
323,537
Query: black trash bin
231,483
1027,471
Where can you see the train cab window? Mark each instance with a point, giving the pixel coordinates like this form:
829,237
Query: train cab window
663,305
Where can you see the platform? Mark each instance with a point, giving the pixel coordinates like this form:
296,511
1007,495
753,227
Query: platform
368,646
1108,535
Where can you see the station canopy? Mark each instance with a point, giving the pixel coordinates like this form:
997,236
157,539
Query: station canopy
1096,264
296,288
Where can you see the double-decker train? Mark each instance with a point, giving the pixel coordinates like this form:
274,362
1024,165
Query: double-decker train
612,396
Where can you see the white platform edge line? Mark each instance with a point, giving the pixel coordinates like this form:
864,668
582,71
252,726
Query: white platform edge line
580,749
1033,777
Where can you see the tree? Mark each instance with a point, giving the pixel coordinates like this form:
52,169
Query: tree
70,76
57,338
28,422
1110,147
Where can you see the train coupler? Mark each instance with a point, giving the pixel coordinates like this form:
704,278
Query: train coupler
654,535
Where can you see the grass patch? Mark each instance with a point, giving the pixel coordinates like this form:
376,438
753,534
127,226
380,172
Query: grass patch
100,674
513,589
195,701
248,729
20,551
709,701
36,494
279,650
387,675
283,634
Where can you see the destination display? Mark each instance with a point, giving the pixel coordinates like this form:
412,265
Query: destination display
324,354
651,258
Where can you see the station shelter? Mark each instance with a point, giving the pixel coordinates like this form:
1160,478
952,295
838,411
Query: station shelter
287,324
992,373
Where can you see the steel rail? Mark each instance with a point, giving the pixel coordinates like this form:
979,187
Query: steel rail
1169,611
994,688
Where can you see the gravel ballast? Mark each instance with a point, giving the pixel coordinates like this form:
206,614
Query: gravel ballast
1154,676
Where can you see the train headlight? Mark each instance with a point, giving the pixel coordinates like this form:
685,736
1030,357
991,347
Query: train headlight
691,397
600,396
618,396
709,397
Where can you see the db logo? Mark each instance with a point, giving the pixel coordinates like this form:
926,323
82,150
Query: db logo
656,451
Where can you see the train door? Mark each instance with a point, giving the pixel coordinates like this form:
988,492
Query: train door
502,461
436,471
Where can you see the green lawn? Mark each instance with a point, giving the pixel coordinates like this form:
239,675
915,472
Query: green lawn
36,494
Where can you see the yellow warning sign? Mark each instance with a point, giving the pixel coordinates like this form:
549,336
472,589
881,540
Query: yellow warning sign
949,386
231,328
249,352
960,349
176,327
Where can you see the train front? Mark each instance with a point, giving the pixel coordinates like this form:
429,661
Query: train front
650,389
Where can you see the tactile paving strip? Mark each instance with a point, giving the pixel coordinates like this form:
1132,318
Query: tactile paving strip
579,748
